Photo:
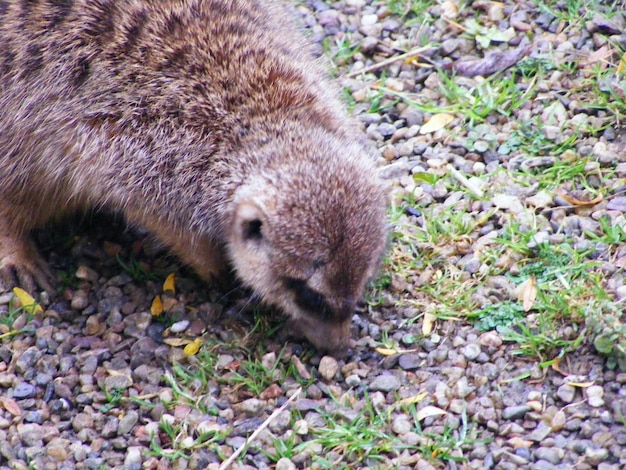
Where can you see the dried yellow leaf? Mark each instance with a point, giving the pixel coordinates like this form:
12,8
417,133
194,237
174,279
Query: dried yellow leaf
428,323
429,411
117,373
27,300
436,122
413,400
156,308
621,67
193,348
169,284
177,342
527,293
386,351
581,384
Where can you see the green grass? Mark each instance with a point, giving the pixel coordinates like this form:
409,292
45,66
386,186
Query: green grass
568,279
576,12
8,320
137,270
191,384
367,438
412,13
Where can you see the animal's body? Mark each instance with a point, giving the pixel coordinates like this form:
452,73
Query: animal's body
208,122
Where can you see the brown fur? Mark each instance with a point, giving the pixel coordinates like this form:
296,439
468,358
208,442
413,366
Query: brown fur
208,122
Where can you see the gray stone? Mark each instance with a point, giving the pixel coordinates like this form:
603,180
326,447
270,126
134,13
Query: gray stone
285,464
109,429
551,454
401,424
566,393
24,390
515,412
252,406
471,351
31,434
410,361
34,417
542,431
127,423
27,359
82,421
353,380
385,383
617,204
133,456
281,422
462,388
594,456
117,382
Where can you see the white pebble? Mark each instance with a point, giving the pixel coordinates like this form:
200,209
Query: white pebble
301,427
369,19
594,396
179,326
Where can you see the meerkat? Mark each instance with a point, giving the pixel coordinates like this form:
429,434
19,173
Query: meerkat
210,123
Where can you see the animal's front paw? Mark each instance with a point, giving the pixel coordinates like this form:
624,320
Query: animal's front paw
21,265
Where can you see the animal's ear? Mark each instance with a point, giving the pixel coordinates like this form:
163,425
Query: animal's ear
250,222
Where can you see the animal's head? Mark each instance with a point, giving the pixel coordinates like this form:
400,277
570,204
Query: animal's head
307,233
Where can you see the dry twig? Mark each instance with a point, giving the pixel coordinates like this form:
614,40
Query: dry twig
390,60
227,463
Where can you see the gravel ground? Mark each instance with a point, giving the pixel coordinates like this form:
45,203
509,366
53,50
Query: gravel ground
56,410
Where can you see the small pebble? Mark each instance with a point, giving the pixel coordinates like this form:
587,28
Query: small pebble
594,396
328,367
566,393
385,383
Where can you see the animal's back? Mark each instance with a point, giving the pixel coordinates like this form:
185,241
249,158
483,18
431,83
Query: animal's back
203,70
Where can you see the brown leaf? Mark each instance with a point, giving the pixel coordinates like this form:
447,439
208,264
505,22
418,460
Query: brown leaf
493,62
580,202
556,366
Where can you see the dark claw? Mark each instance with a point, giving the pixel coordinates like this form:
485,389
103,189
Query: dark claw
7,278
30,280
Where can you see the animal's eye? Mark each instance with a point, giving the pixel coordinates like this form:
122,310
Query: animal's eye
309,299
251,230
